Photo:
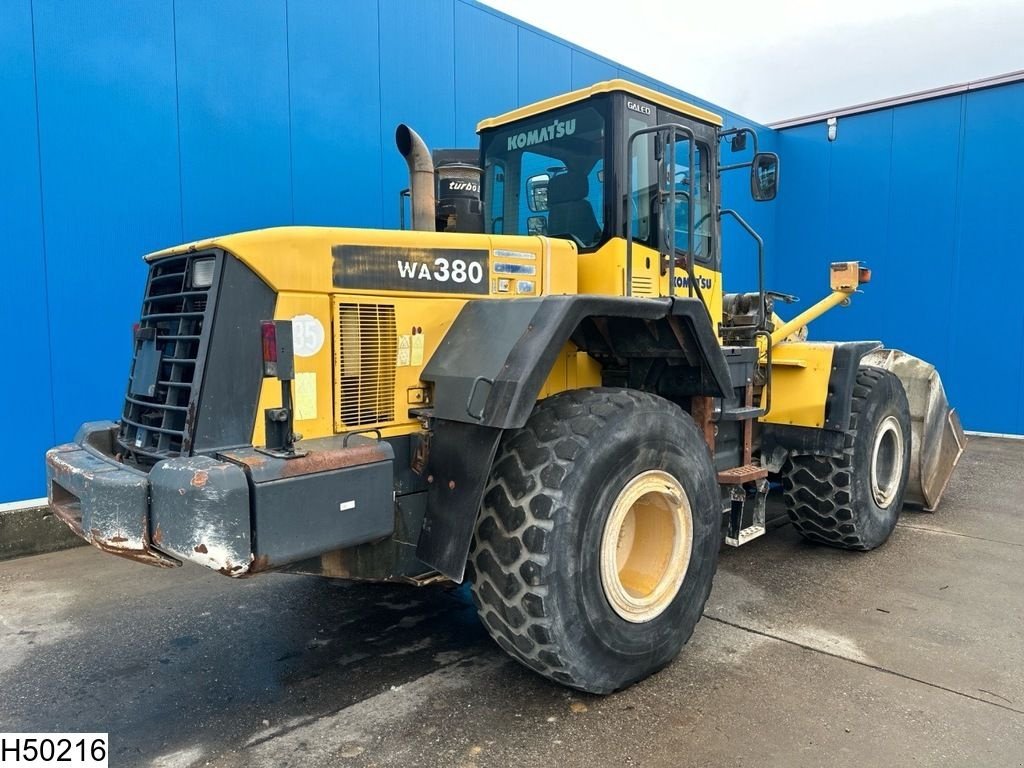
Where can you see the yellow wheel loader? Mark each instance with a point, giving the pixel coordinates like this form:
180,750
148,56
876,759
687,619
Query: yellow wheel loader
541,387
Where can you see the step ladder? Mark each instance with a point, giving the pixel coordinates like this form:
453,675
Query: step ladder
747,483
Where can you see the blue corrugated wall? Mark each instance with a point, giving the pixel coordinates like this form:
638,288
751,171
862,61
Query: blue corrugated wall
928,194
130,125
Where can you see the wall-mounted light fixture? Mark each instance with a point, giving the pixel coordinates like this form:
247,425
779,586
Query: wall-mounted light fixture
833,128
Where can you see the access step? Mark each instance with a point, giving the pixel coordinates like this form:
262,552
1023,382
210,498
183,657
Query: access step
749,533
742,413
746,473
748,492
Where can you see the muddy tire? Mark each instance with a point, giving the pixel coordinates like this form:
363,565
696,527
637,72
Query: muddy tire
854,502
598,538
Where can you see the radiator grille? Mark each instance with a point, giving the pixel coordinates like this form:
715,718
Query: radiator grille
158,425
366,356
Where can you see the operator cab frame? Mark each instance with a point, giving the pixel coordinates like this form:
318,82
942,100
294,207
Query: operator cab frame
559,168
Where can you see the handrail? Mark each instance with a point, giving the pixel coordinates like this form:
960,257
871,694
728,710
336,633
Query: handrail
762,309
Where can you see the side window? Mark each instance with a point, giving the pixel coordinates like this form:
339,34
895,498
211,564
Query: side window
494,192
536,171
694,183
595,191
643,182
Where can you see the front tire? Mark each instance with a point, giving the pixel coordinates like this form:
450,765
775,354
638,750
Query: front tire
854,502
598,538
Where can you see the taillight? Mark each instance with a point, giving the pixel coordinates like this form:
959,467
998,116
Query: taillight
268,329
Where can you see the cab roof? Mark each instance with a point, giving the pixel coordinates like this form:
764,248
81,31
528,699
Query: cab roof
607,86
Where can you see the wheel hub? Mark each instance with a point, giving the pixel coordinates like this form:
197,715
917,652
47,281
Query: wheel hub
886,461
646,546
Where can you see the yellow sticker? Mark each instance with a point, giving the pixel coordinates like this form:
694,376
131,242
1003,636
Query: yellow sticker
305,395
417,349
404,345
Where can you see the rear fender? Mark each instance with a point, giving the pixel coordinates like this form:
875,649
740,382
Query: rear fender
488,372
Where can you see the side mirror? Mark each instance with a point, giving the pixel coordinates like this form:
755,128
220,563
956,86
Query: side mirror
764,176
536,225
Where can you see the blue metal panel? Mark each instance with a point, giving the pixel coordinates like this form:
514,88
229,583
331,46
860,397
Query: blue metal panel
168,120
857,223
739,250
925,193
417,84
23,309
587,70
335,114
485,69
233,116
800,260
918,264
545,67
987,338
110,186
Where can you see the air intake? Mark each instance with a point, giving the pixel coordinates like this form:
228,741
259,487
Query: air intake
367,347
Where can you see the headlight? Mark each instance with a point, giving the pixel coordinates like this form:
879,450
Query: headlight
202,273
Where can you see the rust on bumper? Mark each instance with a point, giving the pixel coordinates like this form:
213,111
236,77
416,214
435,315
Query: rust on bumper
101,500
206,510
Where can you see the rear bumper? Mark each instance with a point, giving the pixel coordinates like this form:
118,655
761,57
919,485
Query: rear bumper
239,513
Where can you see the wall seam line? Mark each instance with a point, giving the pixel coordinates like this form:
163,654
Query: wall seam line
961,152
177,119
888,176
42,223
288,80
380,122
455,76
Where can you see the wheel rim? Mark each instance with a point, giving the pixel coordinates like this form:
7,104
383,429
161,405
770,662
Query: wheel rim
887,461
646,546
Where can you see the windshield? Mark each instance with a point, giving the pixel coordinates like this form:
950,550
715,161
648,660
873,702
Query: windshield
545,176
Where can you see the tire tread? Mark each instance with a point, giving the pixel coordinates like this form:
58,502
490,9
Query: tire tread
532,465
818,490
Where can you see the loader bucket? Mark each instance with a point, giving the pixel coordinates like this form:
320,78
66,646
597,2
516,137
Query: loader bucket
938,438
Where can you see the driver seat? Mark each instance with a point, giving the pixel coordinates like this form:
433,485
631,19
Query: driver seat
569,211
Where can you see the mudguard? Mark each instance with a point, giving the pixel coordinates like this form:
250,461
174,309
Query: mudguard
491,365
489,370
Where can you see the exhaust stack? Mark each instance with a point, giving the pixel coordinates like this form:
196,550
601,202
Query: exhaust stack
421,177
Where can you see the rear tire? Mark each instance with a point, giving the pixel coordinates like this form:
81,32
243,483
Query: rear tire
854,502
598,538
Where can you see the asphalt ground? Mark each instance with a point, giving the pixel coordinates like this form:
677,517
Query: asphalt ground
909,655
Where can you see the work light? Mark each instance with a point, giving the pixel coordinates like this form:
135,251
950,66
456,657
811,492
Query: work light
202,273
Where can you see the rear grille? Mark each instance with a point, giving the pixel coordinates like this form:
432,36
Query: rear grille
366,356
158,425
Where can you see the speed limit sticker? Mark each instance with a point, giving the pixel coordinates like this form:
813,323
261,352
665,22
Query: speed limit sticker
307,335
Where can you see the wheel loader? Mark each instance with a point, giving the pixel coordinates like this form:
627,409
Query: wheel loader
540,387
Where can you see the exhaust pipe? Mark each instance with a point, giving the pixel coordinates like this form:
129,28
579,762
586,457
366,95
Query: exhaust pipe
421,177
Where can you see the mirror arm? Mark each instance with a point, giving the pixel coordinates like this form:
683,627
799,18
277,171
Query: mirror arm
735,132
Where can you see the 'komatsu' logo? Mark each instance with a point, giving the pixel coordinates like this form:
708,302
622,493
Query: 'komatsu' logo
557,130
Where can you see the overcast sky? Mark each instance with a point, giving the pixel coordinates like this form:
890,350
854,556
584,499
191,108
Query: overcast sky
776,60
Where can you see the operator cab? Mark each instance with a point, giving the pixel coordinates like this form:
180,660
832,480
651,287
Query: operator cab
561,170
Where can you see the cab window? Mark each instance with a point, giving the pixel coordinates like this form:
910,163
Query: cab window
546,176
690,184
